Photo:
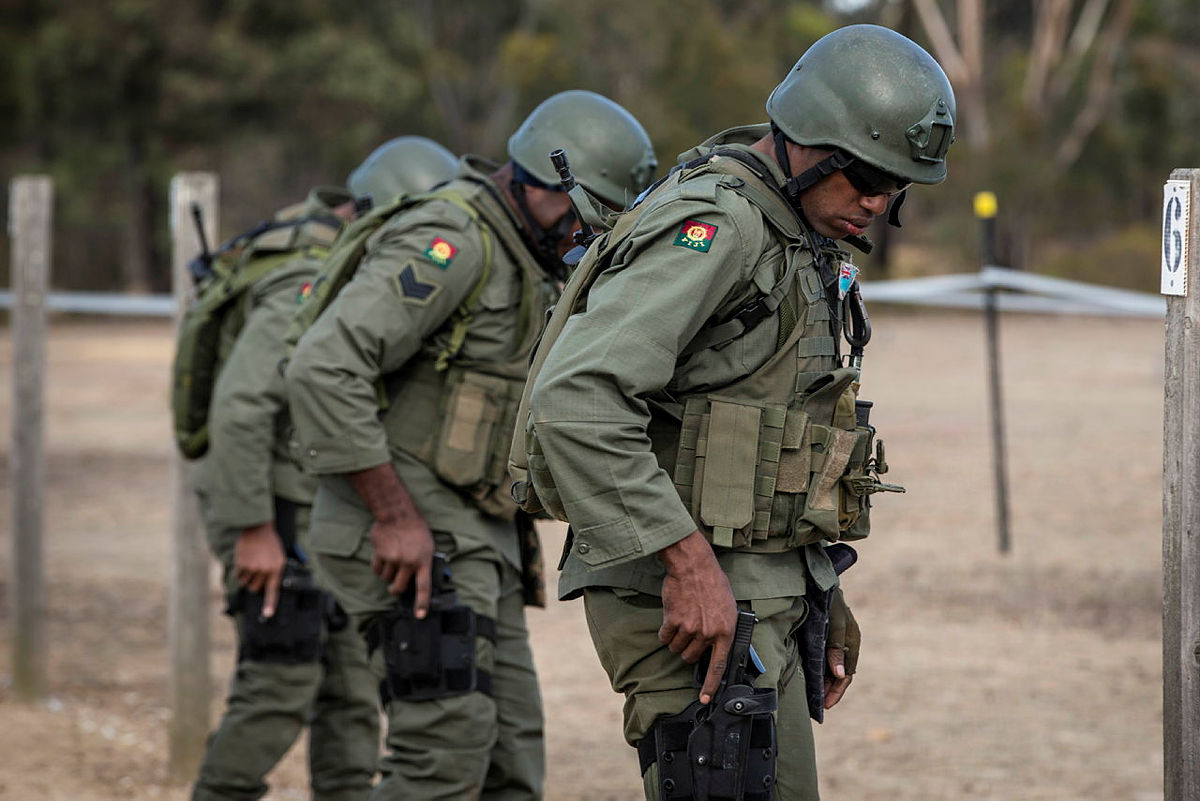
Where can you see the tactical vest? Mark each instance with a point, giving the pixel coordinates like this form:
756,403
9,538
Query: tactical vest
791,466
218,312
457,415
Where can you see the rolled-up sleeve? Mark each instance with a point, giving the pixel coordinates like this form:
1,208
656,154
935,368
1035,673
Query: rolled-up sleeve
397,299
588,404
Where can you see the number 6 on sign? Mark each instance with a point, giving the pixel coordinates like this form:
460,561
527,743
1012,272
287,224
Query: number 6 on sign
1176,214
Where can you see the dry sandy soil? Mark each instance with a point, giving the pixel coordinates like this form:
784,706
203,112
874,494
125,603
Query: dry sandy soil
1035,675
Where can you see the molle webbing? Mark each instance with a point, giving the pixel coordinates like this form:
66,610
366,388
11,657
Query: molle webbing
734,491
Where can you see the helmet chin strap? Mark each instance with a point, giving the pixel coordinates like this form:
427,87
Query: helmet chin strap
796,184
545,240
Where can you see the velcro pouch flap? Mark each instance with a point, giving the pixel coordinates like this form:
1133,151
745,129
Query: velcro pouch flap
471,414
795,460
837,456
727,491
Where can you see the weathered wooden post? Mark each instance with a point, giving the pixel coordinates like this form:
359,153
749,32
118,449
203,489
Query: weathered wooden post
1181,488
31,198
189,592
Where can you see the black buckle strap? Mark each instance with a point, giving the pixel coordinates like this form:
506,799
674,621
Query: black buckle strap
484,627
483,684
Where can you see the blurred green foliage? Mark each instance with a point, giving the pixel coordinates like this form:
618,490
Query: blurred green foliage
112,98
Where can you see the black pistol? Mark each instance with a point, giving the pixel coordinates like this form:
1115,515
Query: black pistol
724,750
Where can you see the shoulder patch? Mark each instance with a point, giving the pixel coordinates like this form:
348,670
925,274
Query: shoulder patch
441,252
696,235
412,289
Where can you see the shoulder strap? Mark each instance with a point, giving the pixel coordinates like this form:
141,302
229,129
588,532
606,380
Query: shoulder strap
745,177
465,312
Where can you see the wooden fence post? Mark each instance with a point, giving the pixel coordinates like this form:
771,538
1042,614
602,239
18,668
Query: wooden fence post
1181,488
189,591
30,210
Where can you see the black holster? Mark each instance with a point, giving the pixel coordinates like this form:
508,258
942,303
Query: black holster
292,635
814,632
724,750
718,754
433,657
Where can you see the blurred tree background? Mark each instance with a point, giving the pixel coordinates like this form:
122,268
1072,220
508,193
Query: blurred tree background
1072,111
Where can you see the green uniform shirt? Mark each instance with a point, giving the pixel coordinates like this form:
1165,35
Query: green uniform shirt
699,252
249,461
418,268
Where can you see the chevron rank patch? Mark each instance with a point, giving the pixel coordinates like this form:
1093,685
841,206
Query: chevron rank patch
696,235
441,252
412,289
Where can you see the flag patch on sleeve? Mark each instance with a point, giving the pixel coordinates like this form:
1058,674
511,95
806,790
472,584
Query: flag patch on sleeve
441,252
696,235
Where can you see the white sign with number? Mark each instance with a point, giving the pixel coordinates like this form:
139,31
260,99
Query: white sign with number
1177,197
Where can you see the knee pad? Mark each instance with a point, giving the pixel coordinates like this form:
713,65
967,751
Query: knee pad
715,754
433,657
293,634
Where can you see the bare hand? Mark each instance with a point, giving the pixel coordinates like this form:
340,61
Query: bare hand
699,611
401,541
258,562
841,653
836,677
403,552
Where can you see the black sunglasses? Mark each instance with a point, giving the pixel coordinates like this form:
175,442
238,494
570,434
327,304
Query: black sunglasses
868,180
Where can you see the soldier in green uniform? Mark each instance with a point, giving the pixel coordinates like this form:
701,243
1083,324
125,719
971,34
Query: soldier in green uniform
296,665
694,417
439,321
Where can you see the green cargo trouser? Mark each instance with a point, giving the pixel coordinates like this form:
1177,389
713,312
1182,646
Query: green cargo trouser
270,704
467,746
624,626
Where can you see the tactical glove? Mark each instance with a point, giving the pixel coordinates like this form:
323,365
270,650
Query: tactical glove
843,630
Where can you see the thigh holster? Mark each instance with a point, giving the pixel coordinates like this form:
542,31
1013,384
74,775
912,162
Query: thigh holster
434,657
711,753
293,634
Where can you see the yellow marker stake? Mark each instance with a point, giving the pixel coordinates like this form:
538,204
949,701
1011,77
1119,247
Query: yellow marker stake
985,205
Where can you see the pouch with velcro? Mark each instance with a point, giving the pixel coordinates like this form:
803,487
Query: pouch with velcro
472,447
854,514
726,466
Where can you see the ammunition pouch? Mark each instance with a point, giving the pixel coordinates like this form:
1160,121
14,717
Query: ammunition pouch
459,422
716,753
433,657
472,448
293,635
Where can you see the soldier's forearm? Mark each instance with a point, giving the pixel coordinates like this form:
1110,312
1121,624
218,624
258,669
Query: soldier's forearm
384,493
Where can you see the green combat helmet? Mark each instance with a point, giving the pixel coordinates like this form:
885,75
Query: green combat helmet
610,152
403,166
874,96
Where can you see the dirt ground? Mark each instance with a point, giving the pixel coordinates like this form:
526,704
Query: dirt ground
1031,676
